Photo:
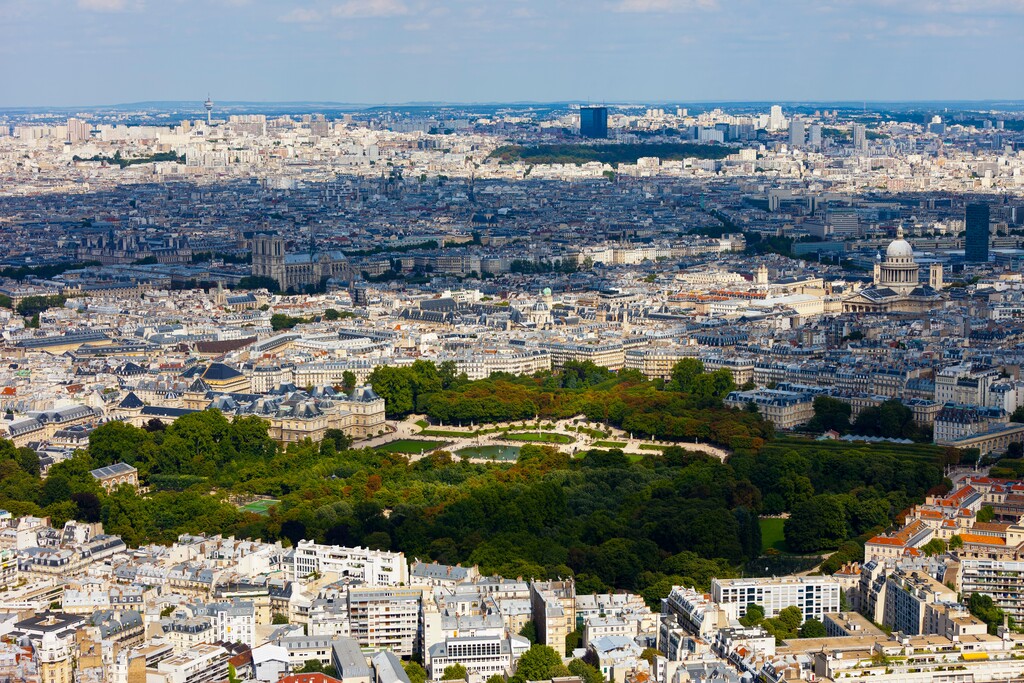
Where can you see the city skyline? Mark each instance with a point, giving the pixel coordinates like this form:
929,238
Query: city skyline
387,51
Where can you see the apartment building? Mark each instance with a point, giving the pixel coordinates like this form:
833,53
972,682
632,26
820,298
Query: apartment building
478,642
484,363
203,663
693,611
814,595
740,367
606,354
1002,580
387,618
372,567
554,611
909,598
784,409
657,362
964,383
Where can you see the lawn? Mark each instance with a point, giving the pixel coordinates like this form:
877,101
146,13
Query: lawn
772,535
410,446
423,424
652,447
260,507
610,444
592,433
539,437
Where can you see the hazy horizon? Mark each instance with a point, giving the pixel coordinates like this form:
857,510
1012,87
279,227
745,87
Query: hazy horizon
462,51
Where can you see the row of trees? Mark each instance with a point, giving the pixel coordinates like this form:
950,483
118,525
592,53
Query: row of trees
891,419
687,407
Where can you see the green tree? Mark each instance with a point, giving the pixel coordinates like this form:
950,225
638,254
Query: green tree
281,321
816,524
985,514
538,663
790,617
348,381
32,306
573,640
684,373
415,672
529,631
812,628
983,607
754,615
455,672
830,413
588,673
394,385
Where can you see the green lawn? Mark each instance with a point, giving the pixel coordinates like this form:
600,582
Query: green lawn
409,446
260,507
592,433
610,444
539,437
771,534
652,447
423,424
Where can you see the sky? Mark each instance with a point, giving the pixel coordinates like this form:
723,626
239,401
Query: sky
95,52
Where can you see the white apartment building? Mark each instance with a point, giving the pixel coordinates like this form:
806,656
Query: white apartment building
372,567
657,362
483,364
814,595
387,618
480,642
606,354
233,622
965,384
201,664
694,611
1002,580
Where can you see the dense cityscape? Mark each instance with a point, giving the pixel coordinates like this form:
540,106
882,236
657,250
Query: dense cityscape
396,341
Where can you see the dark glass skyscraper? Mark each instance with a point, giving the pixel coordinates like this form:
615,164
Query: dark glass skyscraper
594,122
976,244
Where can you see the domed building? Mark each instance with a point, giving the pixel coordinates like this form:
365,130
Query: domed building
896,287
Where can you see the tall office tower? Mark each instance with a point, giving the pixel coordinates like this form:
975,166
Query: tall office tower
860,137
796,133
594,122
976,244
776,121
814,139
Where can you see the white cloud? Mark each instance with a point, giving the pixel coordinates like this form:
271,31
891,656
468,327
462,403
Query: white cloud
931,29
366,9
103,5
912,7
301,15
663,6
